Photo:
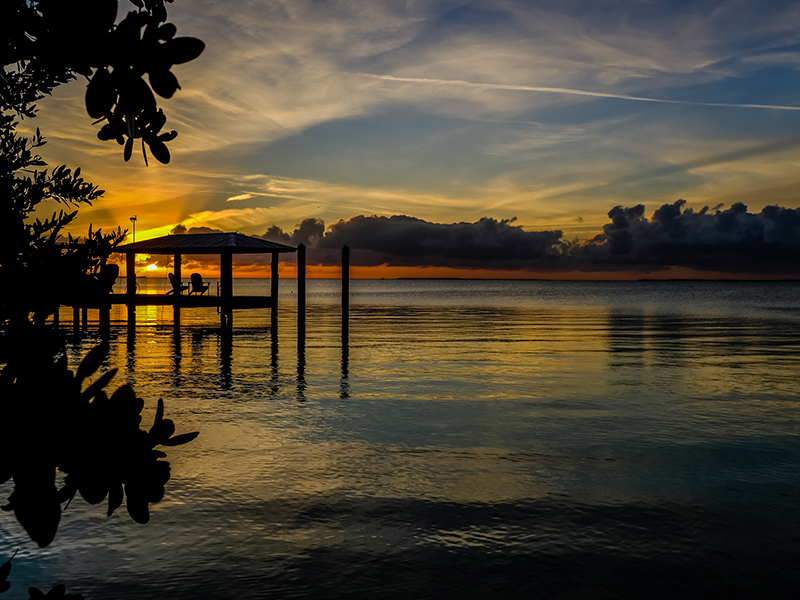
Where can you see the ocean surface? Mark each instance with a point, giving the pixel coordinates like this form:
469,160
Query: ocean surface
472,439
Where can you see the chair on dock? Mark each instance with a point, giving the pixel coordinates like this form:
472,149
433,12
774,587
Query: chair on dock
197,284
177,287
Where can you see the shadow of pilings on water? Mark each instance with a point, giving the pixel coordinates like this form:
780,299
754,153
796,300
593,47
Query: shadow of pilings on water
344,381
226,358
274,374
177,357
301,370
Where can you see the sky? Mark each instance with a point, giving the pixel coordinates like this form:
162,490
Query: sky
538,138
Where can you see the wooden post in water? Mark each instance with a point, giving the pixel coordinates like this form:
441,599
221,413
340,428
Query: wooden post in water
226,290
130,292
84,318
301,292
76,321
345,292
273,290
176,295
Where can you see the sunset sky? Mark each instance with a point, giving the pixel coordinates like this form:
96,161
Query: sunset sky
551,113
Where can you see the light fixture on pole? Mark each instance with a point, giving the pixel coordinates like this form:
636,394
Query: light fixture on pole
133,220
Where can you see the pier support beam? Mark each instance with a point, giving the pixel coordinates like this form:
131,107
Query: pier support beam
301,293
130,271
345,293
176,296
226,290
273,290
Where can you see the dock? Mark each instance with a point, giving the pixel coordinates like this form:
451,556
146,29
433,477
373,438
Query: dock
225,245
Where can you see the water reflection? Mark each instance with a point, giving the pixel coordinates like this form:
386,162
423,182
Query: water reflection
344,381
177,356
130,353
452,352
226,358
626,339
578,448
274,373
301,369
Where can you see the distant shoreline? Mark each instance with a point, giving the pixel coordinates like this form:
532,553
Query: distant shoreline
642,279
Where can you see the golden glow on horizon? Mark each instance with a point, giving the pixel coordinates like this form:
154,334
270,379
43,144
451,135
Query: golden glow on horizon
209,269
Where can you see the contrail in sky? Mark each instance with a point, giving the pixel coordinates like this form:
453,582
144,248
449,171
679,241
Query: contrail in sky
570,91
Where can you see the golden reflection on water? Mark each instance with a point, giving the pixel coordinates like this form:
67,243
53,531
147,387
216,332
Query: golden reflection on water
547,423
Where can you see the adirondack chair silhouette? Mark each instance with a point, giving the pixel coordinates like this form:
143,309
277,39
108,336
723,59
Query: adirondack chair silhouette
177,287
197,284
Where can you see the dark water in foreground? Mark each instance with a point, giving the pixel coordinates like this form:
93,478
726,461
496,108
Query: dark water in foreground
475,440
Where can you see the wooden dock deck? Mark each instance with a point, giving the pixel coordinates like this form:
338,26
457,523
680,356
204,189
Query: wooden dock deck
183,301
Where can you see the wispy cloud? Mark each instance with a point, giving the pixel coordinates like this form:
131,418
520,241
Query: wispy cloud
567,91
697,163
240,197
791,59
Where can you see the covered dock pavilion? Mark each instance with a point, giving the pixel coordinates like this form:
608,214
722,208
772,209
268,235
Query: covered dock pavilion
223,244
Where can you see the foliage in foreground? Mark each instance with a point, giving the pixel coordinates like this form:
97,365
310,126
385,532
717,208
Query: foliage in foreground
50,42
51,418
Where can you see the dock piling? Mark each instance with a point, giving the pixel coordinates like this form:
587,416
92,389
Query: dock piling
273,290
226,290
130,271
176,308
345,293
301,292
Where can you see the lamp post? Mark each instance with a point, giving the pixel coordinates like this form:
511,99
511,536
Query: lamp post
133,220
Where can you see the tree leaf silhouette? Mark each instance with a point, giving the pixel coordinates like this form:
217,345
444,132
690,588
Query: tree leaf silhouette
91,362
35,503
137,508
167,31
159,412
160,151
59,592
183,49
100,94
5,569
164,83
179,439
115,496
98,385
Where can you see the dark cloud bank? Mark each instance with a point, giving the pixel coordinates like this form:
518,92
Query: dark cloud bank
733,241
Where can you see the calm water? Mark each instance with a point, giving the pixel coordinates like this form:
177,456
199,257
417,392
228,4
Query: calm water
476,439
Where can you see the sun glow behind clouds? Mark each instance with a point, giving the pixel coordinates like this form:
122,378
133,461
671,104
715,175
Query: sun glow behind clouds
553,114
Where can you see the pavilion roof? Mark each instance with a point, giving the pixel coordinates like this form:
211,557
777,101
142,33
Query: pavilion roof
205,243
